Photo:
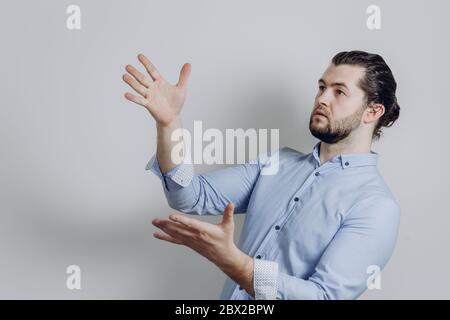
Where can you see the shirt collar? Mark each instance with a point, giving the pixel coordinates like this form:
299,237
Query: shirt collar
349,160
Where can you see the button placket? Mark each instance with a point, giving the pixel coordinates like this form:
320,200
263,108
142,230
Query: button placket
265,245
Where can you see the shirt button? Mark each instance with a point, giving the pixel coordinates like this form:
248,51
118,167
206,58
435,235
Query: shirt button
277,227
316,174
258,256
296,199
346,163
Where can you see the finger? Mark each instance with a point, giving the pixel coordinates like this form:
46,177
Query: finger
137,99
142,102
151,69
139,88
188,222
145,81
176,230
184,75
167,237
228,214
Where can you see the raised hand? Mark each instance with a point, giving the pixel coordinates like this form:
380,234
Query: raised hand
163,100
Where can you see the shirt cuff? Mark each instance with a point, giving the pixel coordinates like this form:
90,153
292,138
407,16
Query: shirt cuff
265,279
177,177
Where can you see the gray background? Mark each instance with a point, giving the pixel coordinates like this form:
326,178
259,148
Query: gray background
73,189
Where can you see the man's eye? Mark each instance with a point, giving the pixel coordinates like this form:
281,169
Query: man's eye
321,88
340,92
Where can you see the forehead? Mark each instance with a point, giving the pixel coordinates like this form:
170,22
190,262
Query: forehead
344,73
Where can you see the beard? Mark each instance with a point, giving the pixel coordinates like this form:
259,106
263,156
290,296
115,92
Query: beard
334,131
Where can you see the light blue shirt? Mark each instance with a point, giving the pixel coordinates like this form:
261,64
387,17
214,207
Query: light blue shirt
314,231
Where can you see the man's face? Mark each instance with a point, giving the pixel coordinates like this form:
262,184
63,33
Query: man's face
341,101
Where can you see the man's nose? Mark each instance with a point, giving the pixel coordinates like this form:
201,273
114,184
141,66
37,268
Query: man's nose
324,98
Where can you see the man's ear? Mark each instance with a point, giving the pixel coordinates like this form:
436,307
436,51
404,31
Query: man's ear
374,111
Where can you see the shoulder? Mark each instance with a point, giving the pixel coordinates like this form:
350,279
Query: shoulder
284,153
288,154
269,162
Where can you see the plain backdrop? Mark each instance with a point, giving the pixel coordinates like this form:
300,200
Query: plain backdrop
73,189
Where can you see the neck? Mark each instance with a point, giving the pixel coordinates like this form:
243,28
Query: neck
329,151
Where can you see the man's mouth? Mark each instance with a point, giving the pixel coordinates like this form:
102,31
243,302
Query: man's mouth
320,114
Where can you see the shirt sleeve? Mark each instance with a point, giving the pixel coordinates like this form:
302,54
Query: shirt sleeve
209,193
366,238
265,278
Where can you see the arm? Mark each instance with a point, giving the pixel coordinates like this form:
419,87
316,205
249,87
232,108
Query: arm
185,191
208,193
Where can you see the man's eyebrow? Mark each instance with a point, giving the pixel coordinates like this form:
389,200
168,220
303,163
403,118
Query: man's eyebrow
334,83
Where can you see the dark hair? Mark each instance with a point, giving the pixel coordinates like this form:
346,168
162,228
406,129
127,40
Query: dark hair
378,84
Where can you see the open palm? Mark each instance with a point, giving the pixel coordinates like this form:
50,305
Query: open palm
162,99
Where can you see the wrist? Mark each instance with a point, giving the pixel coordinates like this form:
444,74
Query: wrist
175,123
240,269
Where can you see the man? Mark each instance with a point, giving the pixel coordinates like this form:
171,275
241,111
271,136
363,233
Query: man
313,230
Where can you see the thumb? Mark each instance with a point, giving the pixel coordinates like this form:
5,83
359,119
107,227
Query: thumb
228,214
184,74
